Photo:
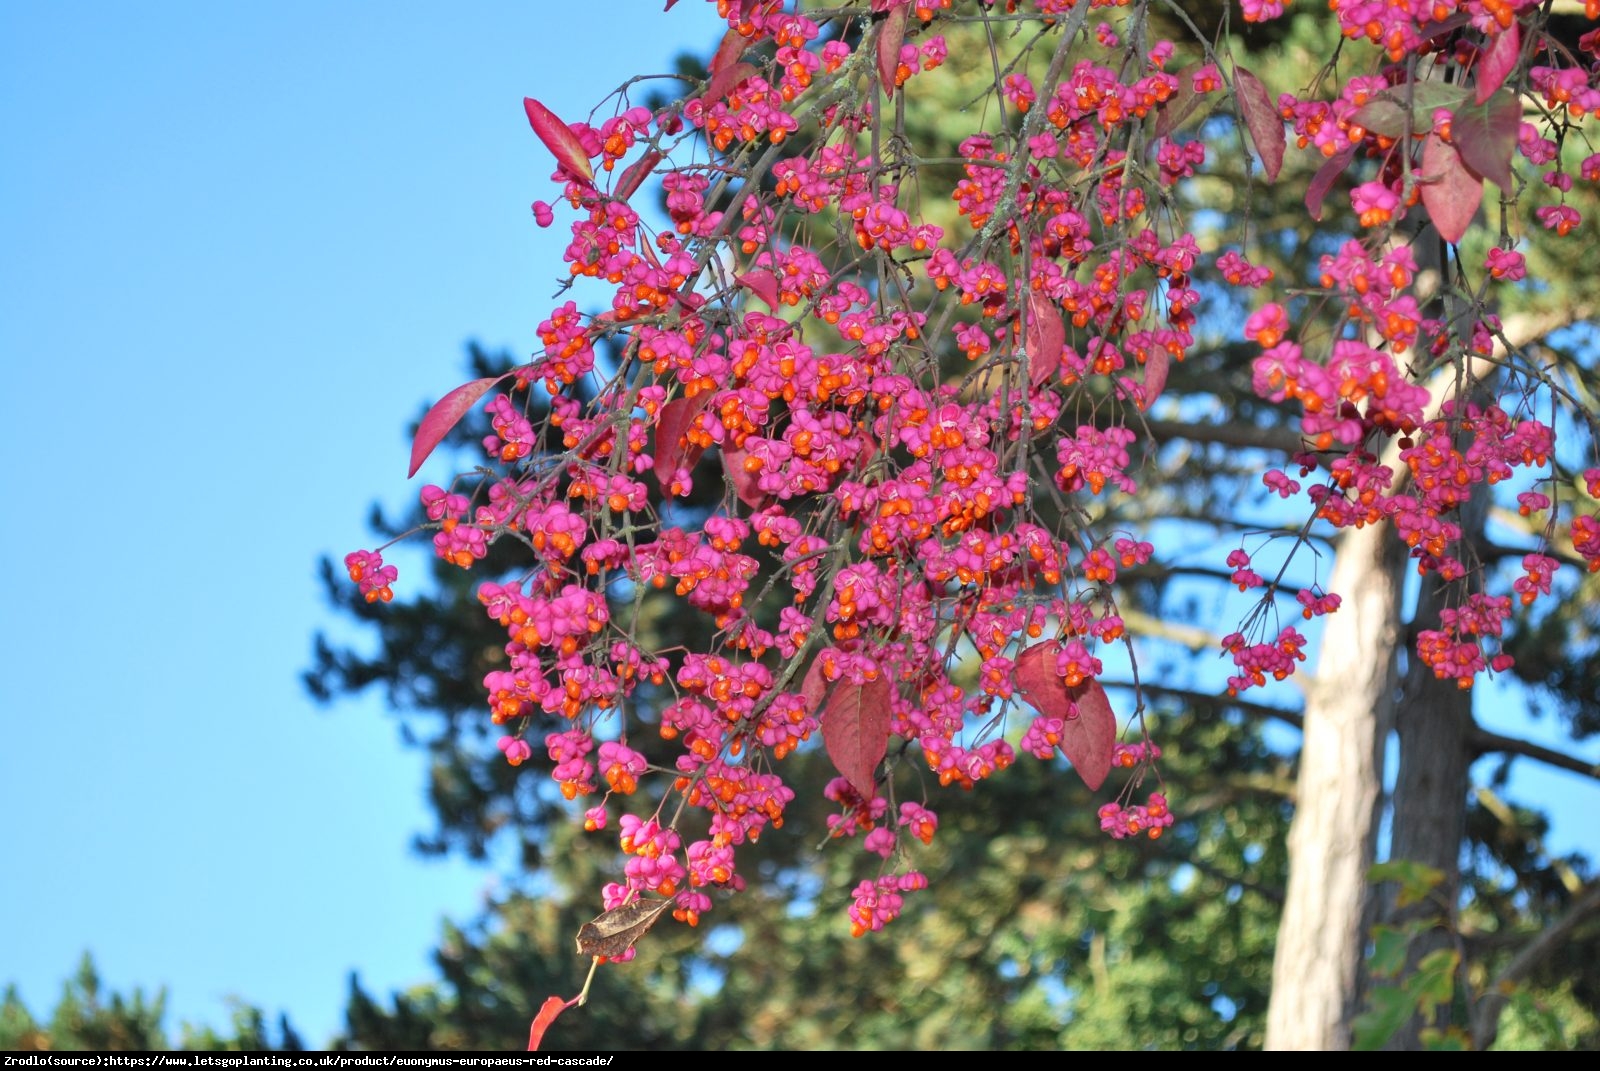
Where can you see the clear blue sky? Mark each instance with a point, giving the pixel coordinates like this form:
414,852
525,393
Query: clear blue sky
240,246
239,249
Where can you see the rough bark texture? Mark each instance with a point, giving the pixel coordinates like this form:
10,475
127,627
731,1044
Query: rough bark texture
1317,967
1434,723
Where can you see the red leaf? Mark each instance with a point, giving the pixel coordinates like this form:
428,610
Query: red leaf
814,686
1324,179
746,484
726,80
1039,683
445,414
1089,733
552,1007
634,177
1261,118
1090,738
1450,192
673,450
763,284
731,47
1044,336
855,730
890,38
1155,375
560,140
1499,61
1486,136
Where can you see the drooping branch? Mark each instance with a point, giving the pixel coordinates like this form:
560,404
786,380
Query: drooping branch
1484,742
1486,1016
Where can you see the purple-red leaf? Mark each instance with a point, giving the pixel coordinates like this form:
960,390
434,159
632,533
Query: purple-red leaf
1486,136
552,1007
763,284
445,414
1156,365
1044,336
1039,683
726,80
1177,107
1261,118
1089,739
1324,179
1450,192
731,48
1089,728
634,177
673,449
1505,49
890,38
855,731
560,140
746,484
814,686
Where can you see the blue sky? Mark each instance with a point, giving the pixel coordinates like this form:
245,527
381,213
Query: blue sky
239,248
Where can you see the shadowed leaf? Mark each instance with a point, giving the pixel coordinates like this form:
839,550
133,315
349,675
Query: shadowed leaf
726,80
1156,366
1261,118
1045,335
614,932
634,177
1178,107
1089,728
1317,189
1450,192
855,730
890,38
1486,136
746,484
673,449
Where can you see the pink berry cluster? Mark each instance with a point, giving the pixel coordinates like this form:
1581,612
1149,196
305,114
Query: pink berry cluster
852,427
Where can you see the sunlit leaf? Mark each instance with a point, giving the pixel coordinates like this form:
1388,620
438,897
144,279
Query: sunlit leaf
552,1007
446,414
763,284
560,140
1498,60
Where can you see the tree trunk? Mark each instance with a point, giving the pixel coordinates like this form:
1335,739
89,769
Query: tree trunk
1349,710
